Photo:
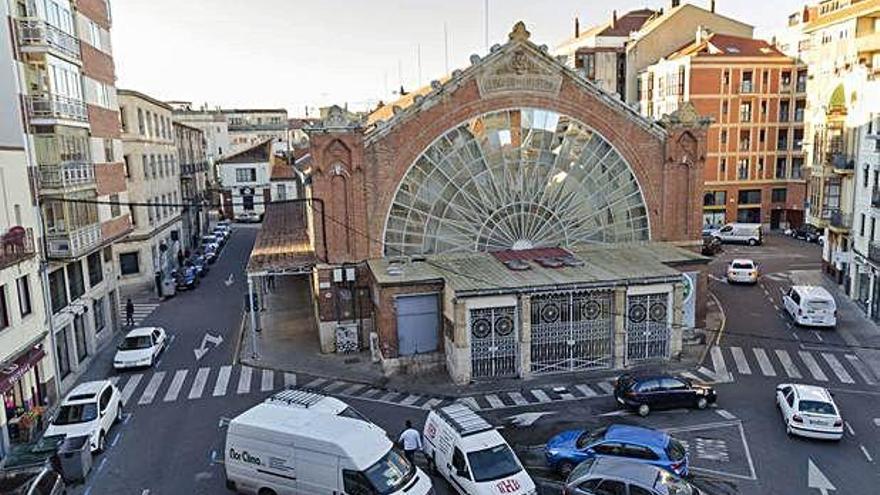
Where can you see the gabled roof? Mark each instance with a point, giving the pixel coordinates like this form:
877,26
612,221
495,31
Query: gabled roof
661,19
725,45
281,171
626,24
260,152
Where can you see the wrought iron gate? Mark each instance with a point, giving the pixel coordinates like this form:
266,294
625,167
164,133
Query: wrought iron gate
493,342
572,331
647,327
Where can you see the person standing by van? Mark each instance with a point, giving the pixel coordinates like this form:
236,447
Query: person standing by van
411,441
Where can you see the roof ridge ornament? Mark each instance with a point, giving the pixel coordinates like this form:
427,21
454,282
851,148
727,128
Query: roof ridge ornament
519,32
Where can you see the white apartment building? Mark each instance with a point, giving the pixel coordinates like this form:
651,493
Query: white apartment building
149,254
245,182
249,127
212,123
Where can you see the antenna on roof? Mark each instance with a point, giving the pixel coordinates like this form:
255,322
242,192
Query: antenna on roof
446,47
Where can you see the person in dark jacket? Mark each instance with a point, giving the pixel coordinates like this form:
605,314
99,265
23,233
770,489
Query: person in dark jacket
129,312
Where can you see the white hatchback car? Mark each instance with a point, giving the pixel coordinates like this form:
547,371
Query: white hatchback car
809,411
140,347
90,410
742,271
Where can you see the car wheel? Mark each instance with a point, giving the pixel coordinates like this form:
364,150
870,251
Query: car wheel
266,491
644,410
753,242
702,403
100,443
565,468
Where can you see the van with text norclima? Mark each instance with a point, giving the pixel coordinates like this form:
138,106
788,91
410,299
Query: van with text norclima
470,453
276,449
740,233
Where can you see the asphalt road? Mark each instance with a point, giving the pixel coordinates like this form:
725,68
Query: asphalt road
171,441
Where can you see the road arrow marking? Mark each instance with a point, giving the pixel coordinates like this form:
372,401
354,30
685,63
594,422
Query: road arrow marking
816,479
203,349
229,280
528,419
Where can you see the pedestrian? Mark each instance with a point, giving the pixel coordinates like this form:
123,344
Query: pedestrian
129,312
411,441
271,282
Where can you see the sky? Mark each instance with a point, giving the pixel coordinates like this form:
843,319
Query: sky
299,54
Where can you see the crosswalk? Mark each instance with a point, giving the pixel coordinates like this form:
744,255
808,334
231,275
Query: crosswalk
142,309
810,365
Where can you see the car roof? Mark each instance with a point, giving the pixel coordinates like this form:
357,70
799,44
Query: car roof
637,435
643,376
622,468
85,391
742,260
141,332
814,291
811,392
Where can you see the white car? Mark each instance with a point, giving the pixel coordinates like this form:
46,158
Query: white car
90,410
809,411
742,271
140,347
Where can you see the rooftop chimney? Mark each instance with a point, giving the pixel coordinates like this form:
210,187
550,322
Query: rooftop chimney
702,34
613,19
577,27
712,6
675,3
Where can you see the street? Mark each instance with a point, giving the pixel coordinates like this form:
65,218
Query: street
174,411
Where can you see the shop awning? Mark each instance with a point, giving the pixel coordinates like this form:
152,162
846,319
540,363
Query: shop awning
12,371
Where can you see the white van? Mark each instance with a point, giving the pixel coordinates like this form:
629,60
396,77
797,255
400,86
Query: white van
810,306
745,233
291,449
471,454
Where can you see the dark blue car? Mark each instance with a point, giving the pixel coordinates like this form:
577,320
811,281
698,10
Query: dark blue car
569,448
186,278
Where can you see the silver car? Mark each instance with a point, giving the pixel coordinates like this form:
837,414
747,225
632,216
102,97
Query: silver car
611,475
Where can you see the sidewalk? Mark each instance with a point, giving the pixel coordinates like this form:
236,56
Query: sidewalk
856,329
288,342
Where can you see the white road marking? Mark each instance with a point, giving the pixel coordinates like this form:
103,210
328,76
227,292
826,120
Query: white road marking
606,386
861,369
541,395
410,400
151,388
587,391
739,358
877,422
244,380
818,337
431,404
290,379
787,364
725,414
130,386
352,389
813,366
721,373
114,379
222,381
691,376
849,428
199,382
795,335
518,398
176,384
494,401
867,455
387,397
267,382
371,393
335,385
471,402
314,383
566,396
837,368
764,362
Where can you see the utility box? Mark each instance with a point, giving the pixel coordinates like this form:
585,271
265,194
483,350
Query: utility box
75,459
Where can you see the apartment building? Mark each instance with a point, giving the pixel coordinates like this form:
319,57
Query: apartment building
599,53
756,97
190,143
212,123
245,182
63,64
149,254
842,53
250,127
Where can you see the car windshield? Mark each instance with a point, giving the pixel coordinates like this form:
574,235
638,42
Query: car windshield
816,407
675,450
582,469
742,266
350,412
76,413
493,463
390,472
134,343
588,438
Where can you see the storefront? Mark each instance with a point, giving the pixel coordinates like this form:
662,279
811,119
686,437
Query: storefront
23,398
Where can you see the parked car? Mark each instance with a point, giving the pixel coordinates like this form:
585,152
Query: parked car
186,278
809,411
569,448
742,233
807,232
614,475
200,264
810,306
210,253
742,271
711,245
140,347
211,240
643,393
248,217
91,408
35,481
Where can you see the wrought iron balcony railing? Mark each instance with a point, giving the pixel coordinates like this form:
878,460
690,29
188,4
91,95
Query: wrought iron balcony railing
67,175
37,34
73,242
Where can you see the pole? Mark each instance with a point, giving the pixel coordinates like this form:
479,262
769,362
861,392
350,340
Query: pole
446,47
486,27
254,310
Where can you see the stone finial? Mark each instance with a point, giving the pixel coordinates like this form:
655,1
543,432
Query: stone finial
435,84
519,33
475,59
685,115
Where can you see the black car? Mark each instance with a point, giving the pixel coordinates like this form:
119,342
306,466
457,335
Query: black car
807,232
186,278
711,245
642,393
200,263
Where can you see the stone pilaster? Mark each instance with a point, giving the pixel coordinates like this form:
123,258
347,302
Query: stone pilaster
619,312
525,336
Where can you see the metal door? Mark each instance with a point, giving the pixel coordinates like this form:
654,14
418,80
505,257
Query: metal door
572,331
493,342
647,327
418,324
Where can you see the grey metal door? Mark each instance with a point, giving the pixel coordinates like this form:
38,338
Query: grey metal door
572,331
418,324
647,327
494,347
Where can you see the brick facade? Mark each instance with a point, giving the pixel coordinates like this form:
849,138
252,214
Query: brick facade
116,228
385,318
98,65
96,10
104,123
110,178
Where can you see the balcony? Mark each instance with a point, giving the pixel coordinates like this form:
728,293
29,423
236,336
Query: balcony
746,87
48,106
73,243
839,220
841,163
18,245
67,176
874,252
868,43
38,36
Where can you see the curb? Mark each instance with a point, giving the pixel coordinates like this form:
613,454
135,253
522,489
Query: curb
719,331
